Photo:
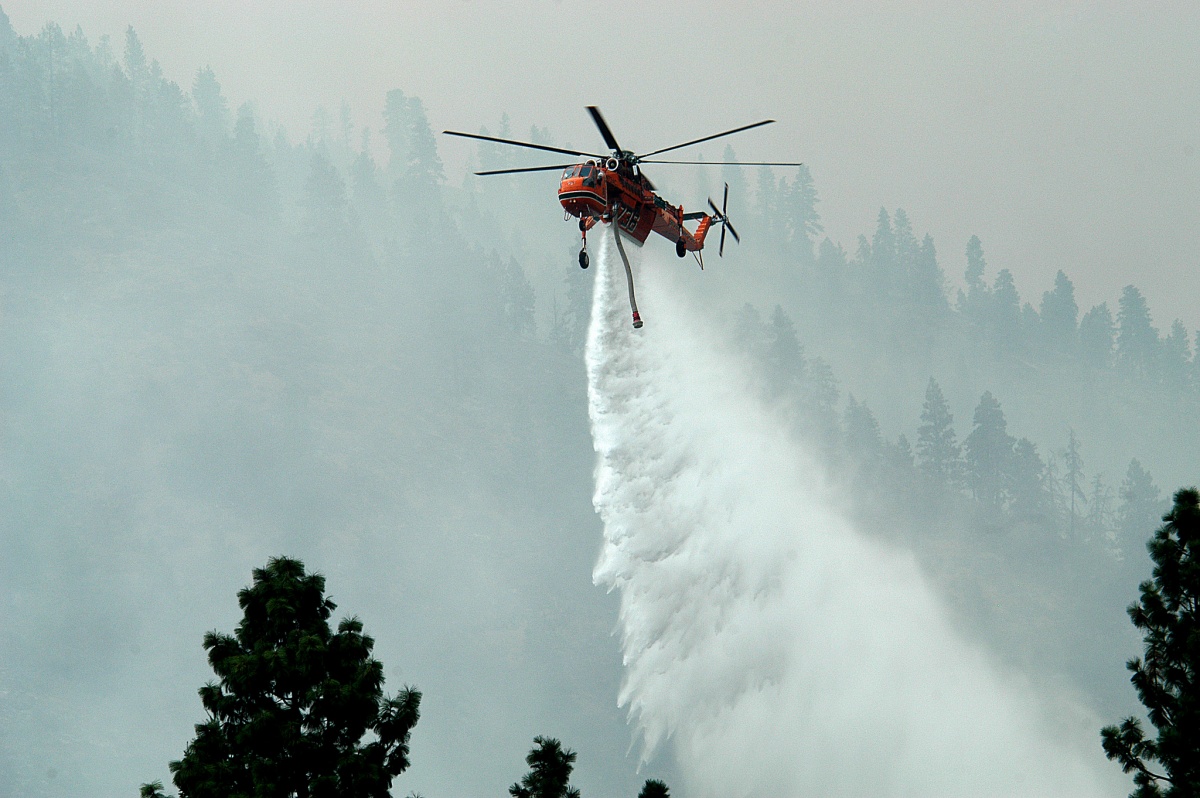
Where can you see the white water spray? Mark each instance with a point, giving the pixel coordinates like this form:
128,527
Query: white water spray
781,653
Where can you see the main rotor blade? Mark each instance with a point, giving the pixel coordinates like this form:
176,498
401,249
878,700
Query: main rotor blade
527,169
521,144
708,138
609,138
724,163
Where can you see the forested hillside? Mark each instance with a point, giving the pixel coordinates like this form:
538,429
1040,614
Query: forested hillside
221,340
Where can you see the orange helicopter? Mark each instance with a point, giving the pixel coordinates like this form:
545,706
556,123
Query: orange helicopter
609,188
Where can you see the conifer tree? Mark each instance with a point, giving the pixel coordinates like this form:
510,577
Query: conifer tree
1059,314
293,702
801,222
864,442
549,775
1005,315
928,283
1167,677
974,302
1097,335
1176,357
653,788
1030,495
1137,339
786,365
1073,462
938,452
1140,505
989,453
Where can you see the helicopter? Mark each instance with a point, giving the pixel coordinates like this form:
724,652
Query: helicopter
613,189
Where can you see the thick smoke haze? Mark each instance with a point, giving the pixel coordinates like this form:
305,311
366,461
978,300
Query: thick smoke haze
873,492
1062,133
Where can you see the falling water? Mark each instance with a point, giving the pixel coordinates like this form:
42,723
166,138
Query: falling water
776,650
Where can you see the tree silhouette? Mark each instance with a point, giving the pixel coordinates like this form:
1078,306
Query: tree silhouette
1140,505
550,767
1167,678
1059,314
1073,461
938,452
293,702
1097,334
1137,339
989,453
653,788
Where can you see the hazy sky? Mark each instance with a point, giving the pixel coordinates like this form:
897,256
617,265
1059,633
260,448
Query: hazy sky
1064,134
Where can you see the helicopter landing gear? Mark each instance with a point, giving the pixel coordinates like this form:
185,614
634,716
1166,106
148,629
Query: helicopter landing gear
583,259
680,248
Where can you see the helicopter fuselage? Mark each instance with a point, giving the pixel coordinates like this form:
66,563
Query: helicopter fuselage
593,192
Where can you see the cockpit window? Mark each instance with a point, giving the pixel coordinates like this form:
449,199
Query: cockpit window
571,171
587,172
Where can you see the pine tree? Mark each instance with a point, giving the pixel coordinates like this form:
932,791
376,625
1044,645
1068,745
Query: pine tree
1140,505
786,366
864,442
1176,357
973,304
906,251
819,398
1005,315
212,110
988,454
801,222
1030,496
1100,515
1167,678
938,452
1137,339
882,263
550,767
928,283
1097,336
1073,462
653,788
294,701
1059,314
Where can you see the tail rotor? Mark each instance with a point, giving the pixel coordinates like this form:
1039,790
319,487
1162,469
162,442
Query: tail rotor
722,218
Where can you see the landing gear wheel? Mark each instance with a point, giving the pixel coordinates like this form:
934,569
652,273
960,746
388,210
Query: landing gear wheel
582,225
583,259
680,248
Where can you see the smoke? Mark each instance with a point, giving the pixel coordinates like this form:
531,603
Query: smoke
777,650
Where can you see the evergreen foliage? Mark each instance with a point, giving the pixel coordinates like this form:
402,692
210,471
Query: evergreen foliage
1097,336
653,788
549,775
1060,314
1140,505
989,453
1137,340
938,452
1073,462
294,701
1167,677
